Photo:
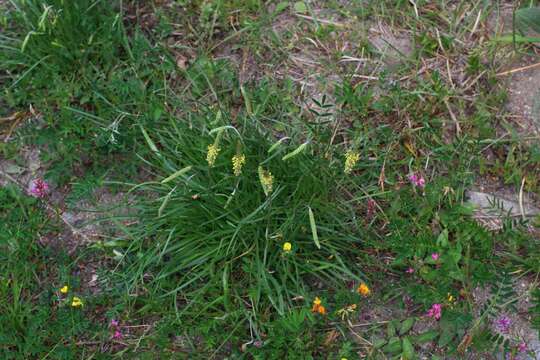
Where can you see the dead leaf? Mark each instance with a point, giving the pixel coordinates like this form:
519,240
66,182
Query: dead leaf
410,147
181,61
331,336
465,343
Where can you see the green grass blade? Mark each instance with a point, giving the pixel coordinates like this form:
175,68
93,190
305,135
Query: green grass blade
177,174
313,228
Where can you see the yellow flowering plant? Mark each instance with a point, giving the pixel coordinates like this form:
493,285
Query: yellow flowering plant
76,302
351,158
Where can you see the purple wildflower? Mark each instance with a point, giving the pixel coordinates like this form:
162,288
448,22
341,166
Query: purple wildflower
503,324
435,256
435,311
38,188
417,180
409,270
522,347
114,323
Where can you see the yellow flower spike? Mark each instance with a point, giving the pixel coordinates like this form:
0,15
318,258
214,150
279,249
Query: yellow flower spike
351,158
287,247
212,154
238,162
364,290
76,302
64,289
267,180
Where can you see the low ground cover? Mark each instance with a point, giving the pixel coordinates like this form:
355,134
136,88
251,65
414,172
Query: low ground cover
265,180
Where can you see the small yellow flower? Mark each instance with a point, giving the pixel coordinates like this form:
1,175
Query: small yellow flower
351,158
238,161
212,154
451,300
364,290
287,247
267,180
317,301
64,289
76,302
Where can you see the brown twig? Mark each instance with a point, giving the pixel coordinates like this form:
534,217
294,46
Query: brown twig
523,68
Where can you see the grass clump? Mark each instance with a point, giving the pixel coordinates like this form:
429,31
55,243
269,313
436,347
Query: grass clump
262,234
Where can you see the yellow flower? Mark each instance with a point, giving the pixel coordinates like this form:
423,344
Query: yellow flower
238,161
211,155
287,247
76,302
64,289
317,301
267,180
351,158
451,300
364,290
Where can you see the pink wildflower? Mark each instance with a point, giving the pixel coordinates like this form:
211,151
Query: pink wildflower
417,180
38,188
503,324
435,311
409,270
117,335
114,323
522,347
435,256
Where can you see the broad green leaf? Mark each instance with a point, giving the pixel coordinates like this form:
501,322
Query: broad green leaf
445,338
406,326
391,329
426,337
442,240
393,346
378,343
408,349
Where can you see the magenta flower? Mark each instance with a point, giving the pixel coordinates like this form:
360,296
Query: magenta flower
435,256
38,188
417,180
503,324
114,323
522,347
409,270
435,311
117,335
